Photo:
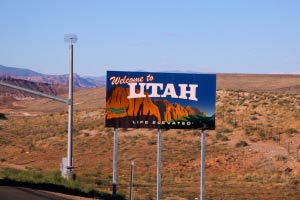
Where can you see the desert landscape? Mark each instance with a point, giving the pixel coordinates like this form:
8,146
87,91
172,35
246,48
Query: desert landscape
252,154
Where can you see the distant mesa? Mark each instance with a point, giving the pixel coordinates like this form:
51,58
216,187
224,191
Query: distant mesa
14,71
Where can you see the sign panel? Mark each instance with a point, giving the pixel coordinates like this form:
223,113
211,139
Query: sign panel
160,100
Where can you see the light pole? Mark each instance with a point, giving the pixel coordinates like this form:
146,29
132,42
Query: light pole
70,38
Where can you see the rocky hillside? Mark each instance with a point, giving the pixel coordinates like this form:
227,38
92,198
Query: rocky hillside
25,74
51,89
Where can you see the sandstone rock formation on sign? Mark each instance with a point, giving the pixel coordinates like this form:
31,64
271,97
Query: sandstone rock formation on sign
119,106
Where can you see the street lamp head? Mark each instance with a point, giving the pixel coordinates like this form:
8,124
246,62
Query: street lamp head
71,38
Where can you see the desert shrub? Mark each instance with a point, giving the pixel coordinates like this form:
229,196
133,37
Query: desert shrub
196,133
101,182
291,131
231,122
253,118
2,116
241,143
151,142
86,134
224,130
254,106
221,137
273,99
265,103
249,130
280,158
256,113
261,133
230,110
254,139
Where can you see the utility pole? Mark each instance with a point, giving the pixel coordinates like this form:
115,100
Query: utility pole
70,38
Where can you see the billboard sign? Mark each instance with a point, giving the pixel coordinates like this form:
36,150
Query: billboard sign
160,100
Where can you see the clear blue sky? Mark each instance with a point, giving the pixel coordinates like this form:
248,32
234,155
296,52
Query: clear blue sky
241,36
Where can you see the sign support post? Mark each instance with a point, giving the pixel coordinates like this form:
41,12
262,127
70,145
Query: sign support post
159,148
131,180
202,179
115,164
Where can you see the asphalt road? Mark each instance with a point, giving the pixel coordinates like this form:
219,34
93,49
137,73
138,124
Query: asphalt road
20,193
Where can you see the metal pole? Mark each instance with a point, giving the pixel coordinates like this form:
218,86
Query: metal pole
70,118
159,148
115,164
131,179
70,38
202,179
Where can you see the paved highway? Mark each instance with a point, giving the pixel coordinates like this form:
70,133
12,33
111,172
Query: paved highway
20,193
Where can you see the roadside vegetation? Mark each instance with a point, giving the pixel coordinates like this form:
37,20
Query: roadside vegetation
50,181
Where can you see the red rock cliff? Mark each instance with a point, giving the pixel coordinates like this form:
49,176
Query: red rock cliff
118,106
170,111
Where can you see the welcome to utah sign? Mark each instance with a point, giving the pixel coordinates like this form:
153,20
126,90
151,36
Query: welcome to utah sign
160,100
